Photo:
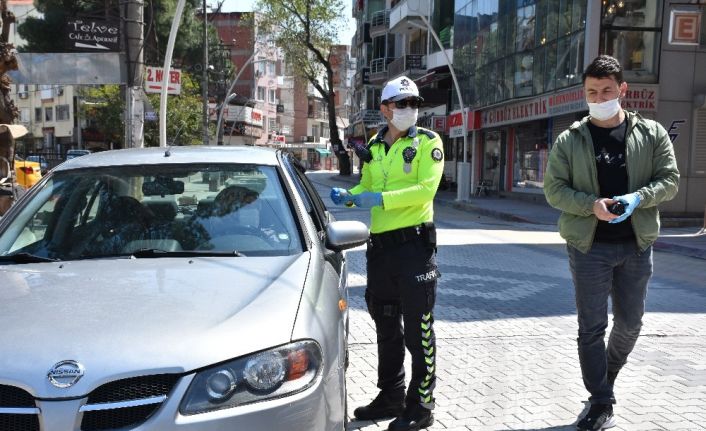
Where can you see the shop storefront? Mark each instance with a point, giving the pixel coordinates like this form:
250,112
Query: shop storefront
516,138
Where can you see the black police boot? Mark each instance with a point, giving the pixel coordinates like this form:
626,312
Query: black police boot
385,405
414,418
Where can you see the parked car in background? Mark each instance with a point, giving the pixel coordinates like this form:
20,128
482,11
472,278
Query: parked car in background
43,164
27,173
137,296
71,154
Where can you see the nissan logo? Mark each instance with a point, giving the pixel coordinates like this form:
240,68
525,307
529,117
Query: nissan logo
65,373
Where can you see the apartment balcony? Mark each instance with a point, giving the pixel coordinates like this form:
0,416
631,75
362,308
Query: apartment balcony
380,23
378,70
411,65
404,18
362,34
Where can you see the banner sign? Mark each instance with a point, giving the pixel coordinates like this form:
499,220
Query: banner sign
639,97
155,75
84,34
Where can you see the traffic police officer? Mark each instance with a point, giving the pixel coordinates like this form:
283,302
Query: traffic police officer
401,172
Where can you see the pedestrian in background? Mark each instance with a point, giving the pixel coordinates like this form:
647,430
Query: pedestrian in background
607,173
402,168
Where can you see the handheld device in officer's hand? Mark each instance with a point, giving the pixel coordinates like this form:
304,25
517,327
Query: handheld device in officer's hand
617,208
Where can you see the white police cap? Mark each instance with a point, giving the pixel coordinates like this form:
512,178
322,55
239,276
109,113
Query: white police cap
398,89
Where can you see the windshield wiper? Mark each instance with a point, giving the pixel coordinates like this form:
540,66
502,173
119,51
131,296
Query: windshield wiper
155,253
26,258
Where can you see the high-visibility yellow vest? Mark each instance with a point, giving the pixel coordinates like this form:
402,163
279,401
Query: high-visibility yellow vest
408,176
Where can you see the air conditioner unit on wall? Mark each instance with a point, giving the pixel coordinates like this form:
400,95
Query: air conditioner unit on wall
302,138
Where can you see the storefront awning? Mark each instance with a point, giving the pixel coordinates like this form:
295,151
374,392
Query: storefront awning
324,152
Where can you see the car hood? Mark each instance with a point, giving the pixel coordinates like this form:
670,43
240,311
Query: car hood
117,316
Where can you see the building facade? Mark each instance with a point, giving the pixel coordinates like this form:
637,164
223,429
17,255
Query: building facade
519,65
269,106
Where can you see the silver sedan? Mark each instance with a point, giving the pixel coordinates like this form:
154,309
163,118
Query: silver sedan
189,288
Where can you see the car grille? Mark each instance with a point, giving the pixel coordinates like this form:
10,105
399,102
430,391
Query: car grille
119,404
17,410
127,402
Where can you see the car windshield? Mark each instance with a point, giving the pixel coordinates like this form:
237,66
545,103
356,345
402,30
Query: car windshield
167,209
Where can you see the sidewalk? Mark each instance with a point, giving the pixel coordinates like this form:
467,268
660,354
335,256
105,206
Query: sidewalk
683,241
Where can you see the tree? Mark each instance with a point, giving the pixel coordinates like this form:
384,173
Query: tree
8,111
305,31
106,106
184,116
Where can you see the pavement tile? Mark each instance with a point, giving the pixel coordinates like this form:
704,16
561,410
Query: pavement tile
506,333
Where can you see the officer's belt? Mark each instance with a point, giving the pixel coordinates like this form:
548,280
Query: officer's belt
399,236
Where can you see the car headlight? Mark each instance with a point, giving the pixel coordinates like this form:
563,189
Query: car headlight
265,375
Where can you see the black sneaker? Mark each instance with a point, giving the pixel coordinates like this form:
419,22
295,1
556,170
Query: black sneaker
414,418
599,417
385,405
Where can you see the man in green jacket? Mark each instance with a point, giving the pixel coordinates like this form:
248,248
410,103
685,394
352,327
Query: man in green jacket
607,173
401,172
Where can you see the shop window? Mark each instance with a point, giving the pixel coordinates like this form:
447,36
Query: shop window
531,155
523,74
525,28
630,32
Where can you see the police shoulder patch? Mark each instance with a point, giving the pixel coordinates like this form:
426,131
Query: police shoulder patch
437,155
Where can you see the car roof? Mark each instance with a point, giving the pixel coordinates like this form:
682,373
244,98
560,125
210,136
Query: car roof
176,155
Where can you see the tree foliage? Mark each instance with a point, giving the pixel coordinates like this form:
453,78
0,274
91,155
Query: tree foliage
305,31
106,105
184,116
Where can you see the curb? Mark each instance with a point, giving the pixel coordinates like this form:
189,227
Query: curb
680,249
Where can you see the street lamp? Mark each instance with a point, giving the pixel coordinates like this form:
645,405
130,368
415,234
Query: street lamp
219,132
462,191
165,79
204,77
221,109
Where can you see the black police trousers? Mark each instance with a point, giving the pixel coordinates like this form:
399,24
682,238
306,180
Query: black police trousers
402,279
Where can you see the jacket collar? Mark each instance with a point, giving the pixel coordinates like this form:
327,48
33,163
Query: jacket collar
380,137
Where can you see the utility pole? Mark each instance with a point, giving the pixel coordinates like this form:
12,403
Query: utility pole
134,115
204,84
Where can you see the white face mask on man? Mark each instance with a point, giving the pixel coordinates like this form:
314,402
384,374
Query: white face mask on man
604,110
404,118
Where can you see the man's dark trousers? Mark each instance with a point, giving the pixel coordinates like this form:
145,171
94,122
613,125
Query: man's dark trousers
402,279
623,272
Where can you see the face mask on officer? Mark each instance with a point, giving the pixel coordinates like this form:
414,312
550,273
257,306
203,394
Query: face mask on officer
404,118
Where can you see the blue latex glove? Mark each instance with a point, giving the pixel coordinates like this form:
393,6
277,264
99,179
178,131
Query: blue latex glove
367,199
340,196
631,201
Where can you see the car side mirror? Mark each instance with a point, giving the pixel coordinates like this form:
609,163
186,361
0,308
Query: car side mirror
345,234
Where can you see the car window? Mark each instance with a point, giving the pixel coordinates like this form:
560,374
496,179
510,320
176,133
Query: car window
87,213
314,205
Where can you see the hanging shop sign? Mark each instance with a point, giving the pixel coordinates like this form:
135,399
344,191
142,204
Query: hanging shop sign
154,77
85,34
685,27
